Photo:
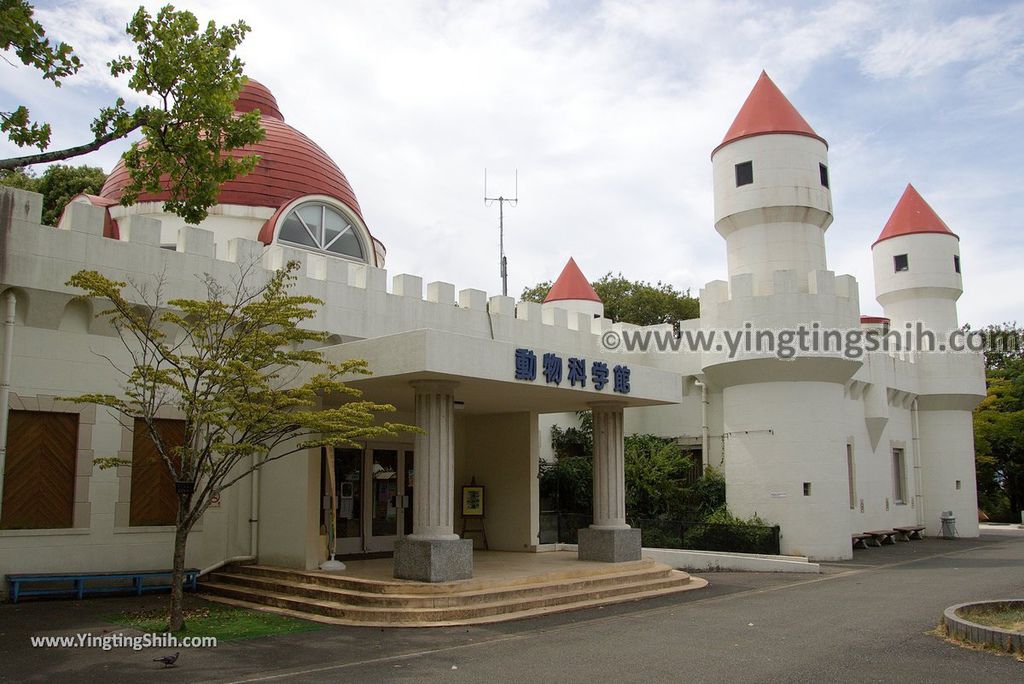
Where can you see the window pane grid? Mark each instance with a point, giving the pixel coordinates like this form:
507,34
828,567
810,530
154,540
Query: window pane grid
327,230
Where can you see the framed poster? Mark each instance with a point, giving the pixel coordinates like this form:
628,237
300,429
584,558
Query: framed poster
473,501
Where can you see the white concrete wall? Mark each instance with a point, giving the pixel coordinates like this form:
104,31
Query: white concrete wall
947,456
927,291
778,222
501,452
779,435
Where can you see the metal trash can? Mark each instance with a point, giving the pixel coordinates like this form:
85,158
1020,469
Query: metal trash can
948,524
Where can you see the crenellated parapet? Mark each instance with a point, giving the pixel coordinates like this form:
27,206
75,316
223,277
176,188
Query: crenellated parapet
360,300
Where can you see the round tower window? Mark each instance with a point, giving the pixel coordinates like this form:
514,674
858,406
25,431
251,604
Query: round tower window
319,226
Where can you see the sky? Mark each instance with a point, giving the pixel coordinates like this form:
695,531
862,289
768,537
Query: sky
609,111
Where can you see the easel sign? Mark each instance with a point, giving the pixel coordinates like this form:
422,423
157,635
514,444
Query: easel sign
473,501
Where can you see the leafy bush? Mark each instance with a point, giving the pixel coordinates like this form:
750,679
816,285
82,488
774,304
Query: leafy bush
655,470
707,495
723,531
574,442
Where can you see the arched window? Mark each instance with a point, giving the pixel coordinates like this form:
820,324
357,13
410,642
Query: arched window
319,226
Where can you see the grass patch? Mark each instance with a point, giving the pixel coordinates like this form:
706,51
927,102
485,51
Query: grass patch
1009,617
220,621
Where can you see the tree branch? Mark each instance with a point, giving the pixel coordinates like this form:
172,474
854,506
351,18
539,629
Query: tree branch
68,153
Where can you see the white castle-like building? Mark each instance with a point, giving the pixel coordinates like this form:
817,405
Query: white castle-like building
822,444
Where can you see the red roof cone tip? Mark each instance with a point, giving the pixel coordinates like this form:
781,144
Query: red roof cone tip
913,215
571,284
766,110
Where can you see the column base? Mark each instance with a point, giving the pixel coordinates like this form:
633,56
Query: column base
433,560
609,545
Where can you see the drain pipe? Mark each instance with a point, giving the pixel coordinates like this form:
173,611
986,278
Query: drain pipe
254,494
5,382
918,467
704,436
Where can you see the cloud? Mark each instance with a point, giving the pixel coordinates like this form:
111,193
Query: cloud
920,48
610,110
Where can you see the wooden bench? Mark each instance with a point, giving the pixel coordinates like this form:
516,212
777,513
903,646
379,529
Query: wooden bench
908,533
78,584
882,536
860,540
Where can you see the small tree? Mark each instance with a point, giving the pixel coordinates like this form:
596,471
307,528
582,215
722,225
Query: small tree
190,77
235,366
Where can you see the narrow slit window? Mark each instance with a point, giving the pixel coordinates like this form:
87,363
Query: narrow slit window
744,173
823,171
851,476
807,488
899,477
901,263
956,263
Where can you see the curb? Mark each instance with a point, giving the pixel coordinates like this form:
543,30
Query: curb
961,628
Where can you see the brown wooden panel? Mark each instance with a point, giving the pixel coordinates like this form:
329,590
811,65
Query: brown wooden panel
153,497
39,475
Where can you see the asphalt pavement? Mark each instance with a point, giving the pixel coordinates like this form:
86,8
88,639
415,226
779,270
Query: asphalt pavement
864,620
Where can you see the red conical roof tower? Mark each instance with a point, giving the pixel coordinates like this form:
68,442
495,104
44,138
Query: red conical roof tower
571,284
767,110
913,215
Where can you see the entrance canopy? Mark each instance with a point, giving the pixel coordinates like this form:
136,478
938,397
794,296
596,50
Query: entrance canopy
495,376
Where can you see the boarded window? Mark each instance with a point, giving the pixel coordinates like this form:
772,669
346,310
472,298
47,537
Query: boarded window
744,173
899,477
153,497
39,475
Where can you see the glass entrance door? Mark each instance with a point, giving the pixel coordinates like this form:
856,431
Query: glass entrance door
348,473
388,492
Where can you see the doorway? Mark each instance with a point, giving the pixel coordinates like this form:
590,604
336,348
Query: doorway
374,487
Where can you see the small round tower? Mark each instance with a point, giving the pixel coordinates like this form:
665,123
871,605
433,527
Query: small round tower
917,267
574,293
772,197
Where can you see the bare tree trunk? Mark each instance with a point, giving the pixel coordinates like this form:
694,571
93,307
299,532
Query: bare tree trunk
176,621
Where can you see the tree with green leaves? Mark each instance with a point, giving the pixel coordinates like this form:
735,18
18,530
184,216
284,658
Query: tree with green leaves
58,184
633,301
999,426
188,75
239,369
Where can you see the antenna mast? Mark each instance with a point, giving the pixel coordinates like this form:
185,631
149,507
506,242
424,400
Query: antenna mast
502,200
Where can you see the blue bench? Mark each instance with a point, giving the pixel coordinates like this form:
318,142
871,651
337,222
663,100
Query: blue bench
82,583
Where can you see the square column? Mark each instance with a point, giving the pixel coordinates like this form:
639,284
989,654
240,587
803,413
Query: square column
433,552
609,538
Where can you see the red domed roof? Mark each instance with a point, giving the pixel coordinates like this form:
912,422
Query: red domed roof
767,110
291,165
913,215
571,284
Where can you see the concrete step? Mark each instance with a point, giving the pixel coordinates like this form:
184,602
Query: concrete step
454,598
395,586
336,612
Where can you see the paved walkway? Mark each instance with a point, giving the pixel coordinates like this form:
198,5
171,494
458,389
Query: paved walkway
861,620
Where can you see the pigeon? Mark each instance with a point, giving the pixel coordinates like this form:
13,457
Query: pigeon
168,660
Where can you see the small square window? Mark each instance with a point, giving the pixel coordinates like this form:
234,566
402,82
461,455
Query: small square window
807,488
823,170
956,263
744,173
901,263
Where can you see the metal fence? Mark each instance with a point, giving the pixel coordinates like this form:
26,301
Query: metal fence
557,527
